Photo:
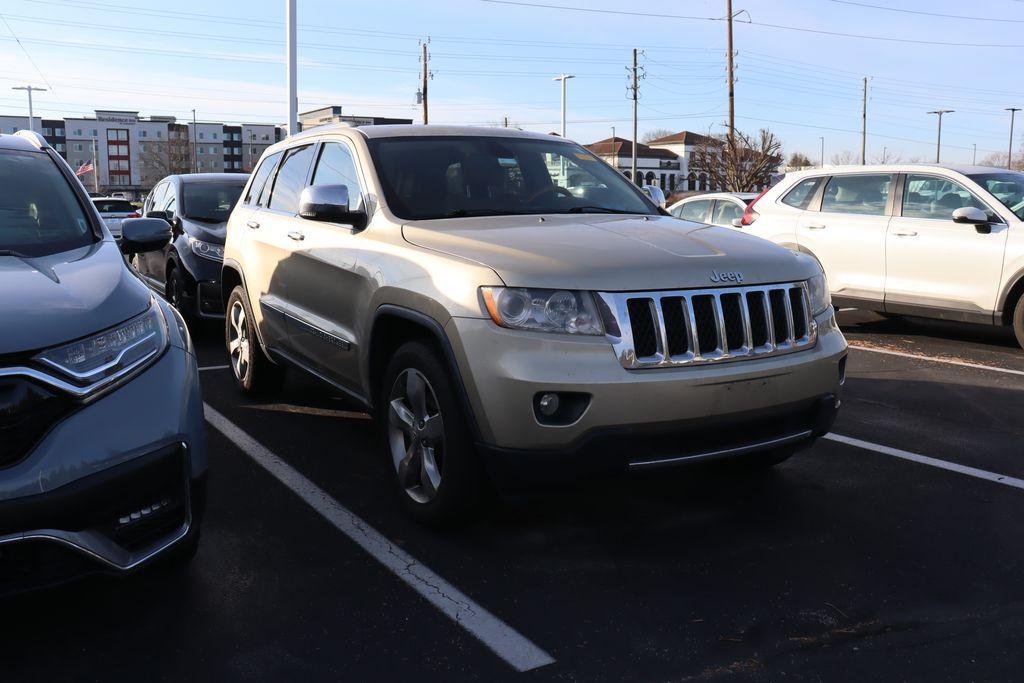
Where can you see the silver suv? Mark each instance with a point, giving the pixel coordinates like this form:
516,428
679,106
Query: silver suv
509,305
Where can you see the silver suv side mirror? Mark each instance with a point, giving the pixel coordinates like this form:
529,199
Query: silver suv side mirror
972,215
330,203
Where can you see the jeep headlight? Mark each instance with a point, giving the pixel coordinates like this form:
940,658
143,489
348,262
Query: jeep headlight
214,252
105,358
817,290
543,310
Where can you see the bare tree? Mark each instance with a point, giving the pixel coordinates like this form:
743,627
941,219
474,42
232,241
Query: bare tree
998,160
845,158
799,160
153,162
655,134
738,163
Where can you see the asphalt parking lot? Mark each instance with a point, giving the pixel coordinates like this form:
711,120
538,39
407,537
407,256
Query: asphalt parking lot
892,551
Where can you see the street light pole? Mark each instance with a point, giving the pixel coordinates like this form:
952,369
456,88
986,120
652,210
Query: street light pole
195,134
1009,154
563,78
30,89
938,142
822,151
293,104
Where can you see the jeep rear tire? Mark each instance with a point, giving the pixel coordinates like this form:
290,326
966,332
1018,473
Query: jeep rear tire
254,373
434,464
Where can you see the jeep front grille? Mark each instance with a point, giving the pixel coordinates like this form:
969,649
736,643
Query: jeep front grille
689,327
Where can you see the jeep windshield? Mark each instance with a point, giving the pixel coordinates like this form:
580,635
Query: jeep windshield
211,201
429,177
39,213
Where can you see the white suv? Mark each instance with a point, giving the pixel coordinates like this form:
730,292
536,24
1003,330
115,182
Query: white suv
916,239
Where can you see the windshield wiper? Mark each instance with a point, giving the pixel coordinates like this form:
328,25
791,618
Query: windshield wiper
11,252
465,213
598,209
206,219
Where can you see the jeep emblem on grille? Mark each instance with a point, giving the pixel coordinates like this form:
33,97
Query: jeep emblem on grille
726,277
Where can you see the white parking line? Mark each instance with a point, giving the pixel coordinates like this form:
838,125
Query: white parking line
936,359
214,367
505,642
926,460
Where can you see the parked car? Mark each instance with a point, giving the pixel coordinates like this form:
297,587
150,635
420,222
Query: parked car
119,195
102,453
113,211
655,194
496,321
716,208
929,240
187,271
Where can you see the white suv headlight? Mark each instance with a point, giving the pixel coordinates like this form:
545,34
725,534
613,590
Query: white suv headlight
817,289
105,358
214,252
543,310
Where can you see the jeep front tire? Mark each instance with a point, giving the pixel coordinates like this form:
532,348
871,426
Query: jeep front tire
254,373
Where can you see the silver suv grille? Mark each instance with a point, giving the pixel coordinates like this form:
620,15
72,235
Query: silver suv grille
695,326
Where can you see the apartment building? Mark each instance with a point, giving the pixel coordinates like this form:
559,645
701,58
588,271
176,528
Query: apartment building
51,129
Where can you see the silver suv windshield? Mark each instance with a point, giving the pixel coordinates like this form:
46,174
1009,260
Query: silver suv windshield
211,201
432,177
39,213
1006,186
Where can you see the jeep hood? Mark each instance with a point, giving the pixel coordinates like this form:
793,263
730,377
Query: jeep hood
55,299
608,252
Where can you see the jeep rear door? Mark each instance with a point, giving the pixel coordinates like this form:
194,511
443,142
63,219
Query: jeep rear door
845,228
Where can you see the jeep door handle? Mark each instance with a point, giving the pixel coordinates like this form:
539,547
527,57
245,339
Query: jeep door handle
296,235
253,224
905,233
816,226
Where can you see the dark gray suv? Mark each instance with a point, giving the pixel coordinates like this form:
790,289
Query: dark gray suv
102,455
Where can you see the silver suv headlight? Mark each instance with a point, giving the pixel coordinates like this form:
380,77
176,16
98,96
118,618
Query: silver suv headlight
106,358
817,289
214,252
543,310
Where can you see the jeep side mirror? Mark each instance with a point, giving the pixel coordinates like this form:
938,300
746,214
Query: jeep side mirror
330,203
972,215
139,235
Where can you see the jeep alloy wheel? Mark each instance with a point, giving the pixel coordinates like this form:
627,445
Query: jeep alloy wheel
416,435
238,340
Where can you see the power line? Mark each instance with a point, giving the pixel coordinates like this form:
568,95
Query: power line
927,14
32,61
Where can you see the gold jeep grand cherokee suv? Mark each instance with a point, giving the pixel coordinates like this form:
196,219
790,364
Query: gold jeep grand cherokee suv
507,304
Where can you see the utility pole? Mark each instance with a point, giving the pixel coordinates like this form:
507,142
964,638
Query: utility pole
938,143
95,169
563,78
864,127
195,134
290,67
30,89
634,88
974,157
506,121
1009,154
822,151
885,155
426,75
732,83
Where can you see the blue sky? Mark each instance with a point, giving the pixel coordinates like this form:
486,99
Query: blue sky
490,60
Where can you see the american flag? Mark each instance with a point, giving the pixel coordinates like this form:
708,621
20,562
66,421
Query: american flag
84,168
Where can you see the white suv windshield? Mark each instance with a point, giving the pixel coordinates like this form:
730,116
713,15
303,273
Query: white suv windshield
458,176
1007,187
39,214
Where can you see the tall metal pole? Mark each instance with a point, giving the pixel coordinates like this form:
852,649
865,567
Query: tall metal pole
732,83
938,142
31,115
822,151
563,78
974,156
95,169
195,135
293,97
1009,153
426,116
864,126
634,88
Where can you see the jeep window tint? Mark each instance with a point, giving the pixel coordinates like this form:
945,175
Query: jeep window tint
928,196
695,211
800,196
864,194
259,179
39,213
336,167
457,176
210,201
1005,186
290,180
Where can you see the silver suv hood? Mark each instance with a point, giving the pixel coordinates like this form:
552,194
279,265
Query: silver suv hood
51,300
608,252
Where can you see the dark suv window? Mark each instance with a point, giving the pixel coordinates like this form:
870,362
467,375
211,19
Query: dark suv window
290,180
39,213
113,206
267,167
